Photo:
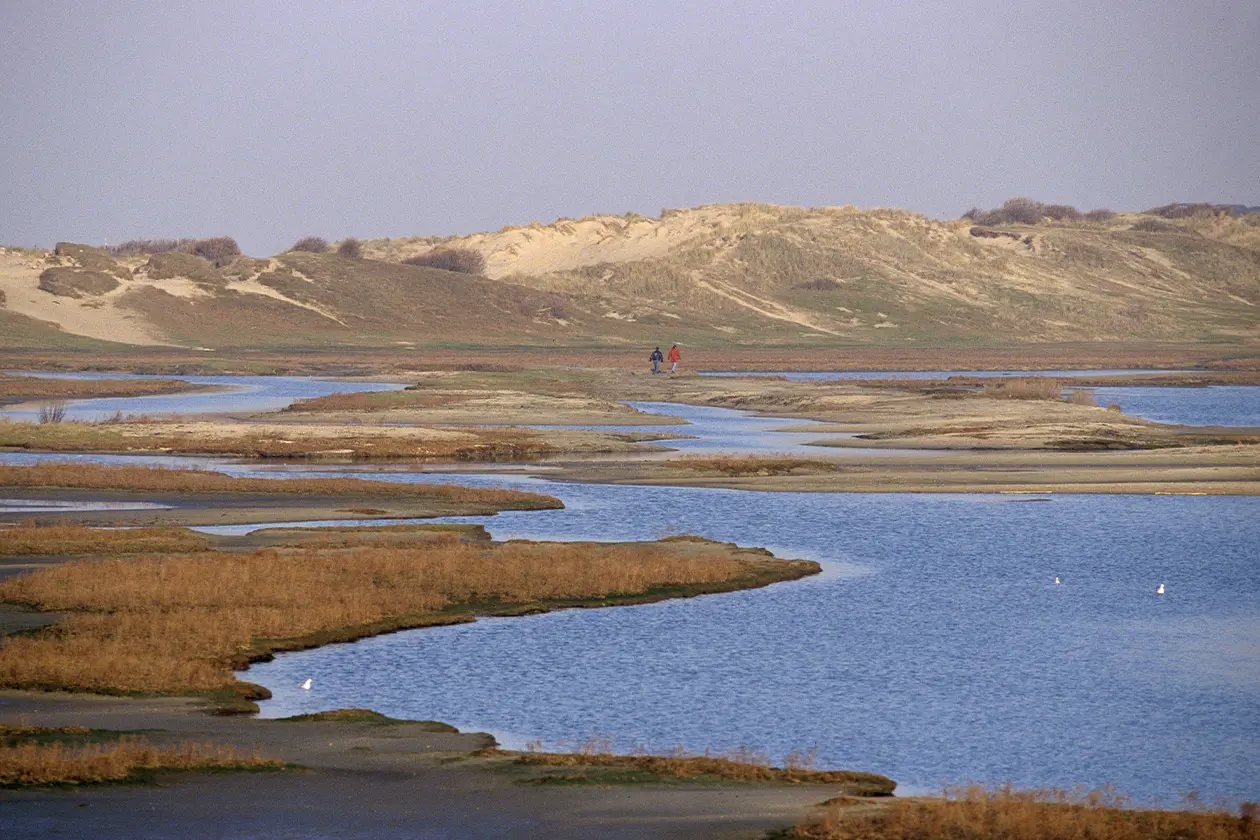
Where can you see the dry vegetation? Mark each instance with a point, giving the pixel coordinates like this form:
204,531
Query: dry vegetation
739,765
1027,211
42,538
15,388
96,476
463,260
257,441
183,622
977,813
753,465
35,755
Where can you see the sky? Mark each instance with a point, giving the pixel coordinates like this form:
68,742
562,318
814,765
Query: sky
269,121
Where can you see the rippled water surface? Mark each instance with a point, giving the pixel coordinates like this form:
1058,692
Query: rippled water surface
1218,405
934,647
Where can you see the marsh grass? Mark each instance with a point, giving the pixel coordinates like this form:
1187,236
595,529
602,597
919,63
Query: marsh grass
753,465
974,812
364,444
183,622
32,387
37,538
103,477
58,763
741,764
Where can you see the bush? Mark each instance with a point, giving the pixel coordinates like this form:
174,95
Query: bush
1100,215
1149,225
219,250
350,249
1022,211
464,260
314,244
1194,210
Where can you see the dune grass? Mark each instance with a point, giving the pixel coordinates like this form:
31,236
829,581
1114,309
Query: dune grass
31,758
181,623
51,538
105,477
974,812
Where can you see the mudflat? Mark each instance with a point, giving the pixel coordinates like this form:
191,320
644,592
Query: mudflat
403,779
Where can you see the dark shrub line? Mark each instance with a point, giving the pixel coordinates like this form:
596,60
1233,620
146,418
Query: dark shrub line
1027,211
313,244
463,260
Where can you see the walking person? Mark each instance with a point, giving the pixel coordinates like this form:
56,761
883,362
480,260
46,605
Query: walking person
674,357
656,359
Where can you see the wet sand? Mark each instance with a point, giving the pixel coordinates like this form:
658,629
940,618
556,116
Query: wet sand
363,780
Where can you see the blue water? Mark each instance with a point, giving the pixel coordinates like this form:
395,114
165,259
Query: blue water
935,646
236,394
1217,405
831,375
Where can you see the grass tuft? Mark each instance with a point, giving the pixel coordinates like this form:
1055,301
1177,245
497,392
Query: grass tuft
974,812
57,763
36,538
313,244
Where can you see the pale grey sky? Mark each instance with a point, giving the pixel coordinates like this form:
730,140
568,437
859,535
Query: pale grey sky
268,121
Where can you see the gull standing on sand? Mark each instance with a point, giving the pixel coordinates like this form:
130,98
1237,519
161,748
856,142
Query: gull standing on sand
307,684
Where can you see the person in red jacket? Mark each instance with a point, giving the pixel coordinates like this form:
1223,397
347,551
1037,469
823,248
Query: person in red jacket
673,357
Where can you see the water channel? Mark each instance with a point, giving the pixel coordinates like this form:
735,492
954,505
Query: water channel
935,646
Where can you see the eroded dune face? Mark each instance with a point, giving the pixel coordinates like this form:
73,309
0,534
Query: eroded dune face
746,272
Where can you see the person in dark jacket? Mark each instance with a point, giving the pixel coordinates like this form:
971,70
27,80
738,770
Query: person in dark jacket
656,358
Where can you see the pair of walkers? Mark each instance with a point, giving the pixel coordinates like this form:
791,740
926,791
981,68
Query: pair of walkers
656,358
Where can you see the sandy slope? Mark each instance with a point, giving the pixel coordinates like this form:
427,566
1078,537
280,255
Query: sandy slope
94,317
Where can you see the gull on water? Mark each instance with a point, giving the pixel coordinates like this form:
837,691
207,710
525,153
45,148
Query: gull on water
307,684
1160,591
1056,580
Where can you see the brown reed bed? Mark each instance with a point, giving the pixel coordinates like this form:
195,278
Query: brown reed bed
30,763
592,761
181,623
364,443
731,465
13,388
974,812
52,538
107,477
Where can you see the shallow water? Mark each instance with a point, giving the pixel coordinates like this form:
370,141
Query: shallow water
1216,405
935,646
236,394
930,374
